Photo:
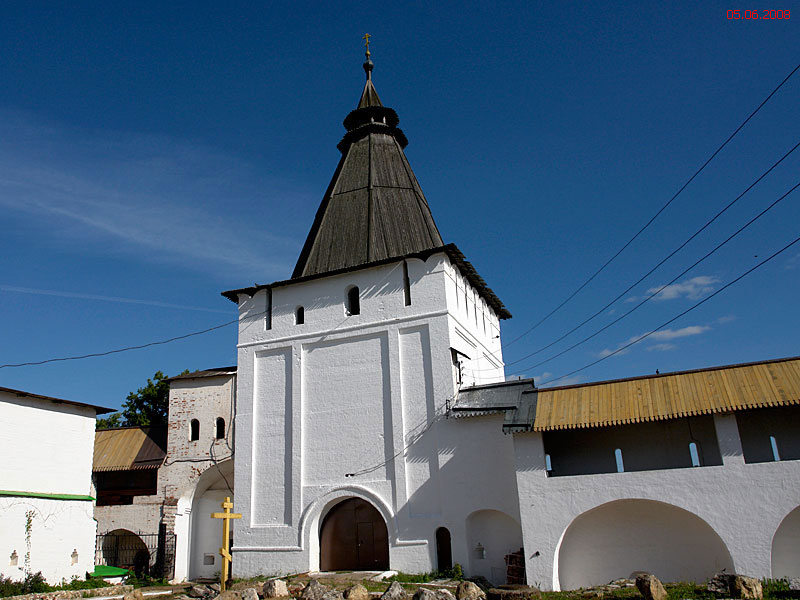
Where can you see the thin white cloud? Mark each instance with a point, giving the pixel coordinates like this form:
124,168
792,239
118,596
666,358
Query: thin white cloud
661,347
725,319
672,334
793,262
79,296
693,289
152,197
663,335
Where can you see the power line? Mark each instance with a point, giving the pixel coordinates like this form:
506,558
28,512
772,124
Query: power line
125,349
665,259
675,318
655,216
659,290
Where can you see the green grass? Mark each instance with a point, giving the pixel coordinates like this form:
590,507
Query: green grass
35,583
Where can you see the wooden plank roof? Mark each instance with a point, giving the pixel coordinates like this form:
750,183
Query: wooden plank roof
374,208
129,448
669,395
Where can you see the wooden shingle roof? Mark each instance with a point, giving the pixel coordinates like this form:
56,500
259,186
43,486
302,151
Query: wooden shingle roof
374,208
669,395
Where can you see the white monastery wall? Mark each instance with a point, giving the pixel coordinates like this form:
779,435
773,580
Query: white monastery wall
57,462
728,513
62,537
327,408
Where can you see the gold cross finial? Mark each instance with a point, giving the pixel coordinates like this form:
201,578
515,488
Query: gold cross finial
366,42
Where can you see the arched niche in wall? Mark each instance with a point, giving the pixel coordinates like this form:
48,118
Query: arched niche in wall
616,539
491,535
786,547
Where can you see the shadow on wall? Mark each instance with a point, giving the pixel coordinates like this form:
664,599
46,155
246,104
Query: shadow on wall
620,537
786,547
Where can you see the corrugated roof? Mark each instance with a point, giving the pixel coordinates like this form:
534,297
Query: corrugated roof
101,410
215,372
129,448
670,395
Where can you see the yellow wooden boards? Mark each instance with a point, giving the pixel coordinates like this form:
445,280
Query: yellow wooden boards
670,395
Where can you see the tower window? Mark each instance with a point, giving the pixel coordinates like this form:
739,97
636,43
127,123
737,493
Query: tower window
299,316
353,301
220,428
406,285
194,434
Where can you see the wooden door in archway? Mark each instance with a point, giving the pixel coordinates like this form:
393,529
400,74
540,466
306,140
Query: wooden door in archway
353,537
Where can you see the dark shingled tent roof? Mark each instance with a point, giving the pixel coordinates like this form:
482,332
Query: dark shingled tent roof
374,208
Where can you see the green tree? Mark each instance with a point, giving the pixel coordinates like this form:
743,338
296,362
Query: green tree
146,406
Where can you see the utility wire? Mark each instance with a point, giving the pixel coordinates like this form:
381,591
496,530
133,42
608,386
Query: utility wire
678,316
655,216
414,438
665,259
125,349
659,290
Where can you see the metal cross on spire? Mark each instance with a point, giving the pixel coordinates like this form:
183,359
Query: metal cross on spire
366,37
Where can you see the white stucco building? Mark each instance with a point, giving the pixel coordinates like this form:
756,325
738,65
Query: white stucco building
46,504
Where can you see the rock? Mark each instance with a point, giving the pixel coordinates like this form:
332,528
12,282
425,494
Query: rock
467,590
314,590
214,587
249,593
748,588
395,592
198,591
720,583
512,592
229,595
356,592
443,594
424,594
794,584
650,587
332,595
275,588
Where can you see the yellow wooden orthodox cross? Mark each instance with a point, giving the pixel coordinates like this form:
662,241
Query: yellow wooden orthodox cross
366,43
225,551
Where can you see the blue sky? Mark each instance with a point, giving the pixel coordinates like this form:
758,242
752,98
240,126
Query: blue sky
154,156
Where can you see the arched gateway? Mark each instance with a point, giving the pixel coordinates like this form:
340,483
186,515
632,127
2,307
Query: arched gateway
353,537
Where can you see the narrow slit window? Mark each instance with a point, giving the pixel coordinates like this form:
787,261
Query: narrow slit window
693,453
220,428
194,434
774,445
353,301
268,310
299,316
548,465
406,285
620,464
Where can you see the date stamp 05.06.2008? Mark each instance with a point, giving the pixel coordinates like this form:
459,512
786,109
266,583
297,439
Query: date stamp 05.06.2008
758,14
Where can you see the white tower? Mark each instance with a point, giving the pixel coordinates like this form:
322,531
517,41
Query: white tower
344,457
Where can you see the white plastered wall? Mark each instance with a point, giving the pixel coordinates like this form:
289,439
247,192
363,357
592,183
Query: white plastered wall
327,409
59,463
743,504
